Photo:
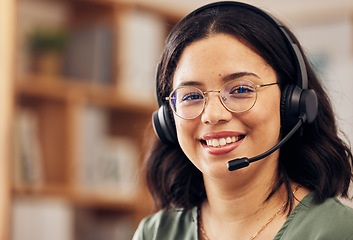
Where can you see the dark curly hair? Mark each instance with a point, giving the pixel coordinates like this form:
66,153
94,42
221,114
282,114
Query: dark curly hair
318,159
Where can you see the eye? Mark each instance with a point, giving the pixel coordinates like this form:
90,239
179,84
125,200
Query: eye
241,90
192,96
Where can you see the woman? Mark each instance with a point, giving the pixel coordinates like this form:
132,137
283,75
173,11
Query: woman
223,85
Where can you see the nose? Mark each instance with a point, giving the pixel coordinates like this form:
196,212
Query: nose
214,111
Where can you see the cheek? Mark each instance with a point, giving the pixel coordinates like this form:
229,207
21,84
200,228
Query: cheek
186,135
265,120
185,129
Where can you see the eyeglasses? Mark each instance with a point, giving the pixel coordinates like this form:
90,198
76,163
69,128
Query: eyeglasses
237,96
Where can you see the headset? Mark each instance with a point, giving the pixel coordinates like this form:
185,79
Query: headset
299,104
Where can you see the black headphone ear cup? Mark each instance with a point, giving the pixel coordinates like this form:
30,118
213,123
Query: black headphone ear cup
290,106
309,105
164,126
295,102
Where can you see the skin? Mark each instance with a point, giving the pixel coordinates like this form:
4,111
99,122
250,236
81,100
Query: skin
235,208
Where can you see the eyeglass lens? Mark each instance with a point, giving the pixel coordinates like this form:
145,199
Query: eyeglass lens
237,96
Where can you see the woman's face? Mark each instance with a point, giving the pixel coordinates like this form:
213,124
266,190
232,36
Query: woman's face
208,64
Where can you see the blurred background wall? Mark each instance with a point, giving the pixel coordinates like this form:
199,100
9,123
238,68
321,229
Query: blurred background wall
80,92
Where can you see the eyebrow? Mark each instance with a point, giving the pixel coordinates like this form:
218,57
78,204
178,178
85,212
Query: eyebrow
226,78
237,75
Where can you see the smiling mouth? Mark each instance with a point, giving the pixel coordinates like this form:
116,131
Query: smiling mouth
221,142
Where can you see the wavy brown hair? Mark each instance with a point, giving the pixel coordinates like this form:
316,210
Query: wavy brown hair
317,159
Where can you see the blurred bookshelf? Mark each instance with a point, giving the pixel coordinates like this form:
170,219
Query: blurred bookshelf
84,96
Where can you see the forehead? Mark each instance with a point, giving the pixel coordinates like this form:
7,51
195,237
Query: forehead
218,56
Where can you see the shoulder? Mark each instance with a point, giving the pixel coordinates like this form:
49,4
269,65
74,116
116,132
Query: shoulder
332,211
168,224
328,220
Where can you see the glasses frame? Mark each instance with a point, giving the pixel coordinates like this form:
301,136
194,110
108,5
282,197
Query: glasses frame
169,98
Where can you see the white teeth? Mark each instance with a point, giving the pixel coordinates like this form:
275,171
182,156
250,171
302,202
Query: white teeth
221,141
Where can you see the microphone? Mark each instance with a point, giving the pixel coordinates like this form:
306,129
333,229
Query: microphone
244,162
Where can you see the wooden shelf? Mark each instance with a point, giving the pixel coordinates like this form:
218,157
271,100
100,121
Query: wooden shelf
118,202
41,190
67,89
83,120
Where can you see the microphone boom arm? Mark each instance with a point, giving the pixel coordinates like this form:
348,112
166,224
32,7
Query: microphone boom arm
244,162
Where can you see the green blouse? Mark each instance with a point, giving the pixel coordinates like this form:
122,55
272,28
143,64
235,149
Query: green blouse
330,220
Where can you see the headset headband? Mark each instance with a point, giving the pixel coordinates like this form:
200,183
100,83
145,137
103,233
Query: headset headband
302,78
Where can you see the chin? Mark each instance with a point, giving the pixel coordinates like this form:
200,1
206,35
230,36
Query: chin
216,170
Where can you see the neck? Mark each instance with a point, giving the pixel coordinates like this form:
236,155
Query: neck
240,202
244,189
237,206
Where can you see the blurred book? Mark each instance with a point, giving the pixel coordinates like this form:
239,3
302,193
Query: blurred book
117,166
41,219
108,163
93,122
89,55
28,166
140,44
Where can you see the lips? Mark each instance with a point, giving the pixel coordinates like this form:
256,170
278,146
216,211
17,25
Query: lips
221,142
